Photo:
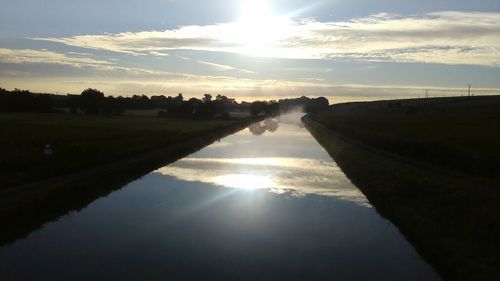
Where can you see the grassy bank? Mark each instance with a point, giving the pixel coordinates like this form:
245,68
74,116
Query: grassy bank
92,157
81,141
457,133
450,213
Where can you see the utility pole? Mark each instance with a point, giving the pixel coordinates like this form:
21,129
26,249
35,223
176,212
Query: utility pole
469,90
426,94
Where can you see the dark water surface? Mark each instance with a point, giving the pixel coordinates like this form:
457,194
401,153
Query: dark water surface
272,206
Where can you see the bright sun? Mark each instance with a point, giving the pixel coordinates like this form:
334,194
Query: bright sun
258,31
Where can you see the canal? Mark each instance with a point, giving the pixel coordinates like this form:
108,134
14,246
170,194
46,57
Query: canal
267,203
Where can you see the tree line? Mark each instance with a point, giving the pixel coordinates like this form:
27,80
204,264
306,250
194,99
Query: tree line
94,102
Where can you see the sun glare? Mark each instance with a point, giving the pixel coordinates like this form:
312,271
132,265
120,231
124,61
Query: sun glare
258,30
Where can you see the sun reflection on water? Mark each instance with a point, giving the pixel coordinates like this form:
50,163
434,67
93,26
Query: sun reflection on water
245,181
280,175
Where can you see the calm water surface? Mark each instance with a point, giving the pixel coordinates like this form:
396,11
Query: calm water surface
264,204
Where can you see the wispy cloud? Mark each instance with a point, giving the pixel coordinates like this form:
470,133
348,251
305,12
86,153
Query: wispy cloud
50,57
218,66
471,38
73,59
124,80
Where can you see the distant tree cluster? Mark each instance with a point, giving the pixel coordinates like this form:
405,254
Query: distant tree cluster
308,105
303,104
205,108
264,107
94,102
24,101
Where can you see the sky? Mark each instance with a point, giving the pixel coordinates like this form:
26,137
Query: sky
260,49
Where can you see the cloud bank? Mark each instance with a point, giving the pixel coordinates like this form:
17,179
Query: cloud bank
470,38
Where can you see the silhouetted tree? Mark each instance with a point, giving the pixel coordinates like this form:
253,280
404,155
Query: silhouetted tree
113,106
92,101
179,99
207,98
257,107
272,107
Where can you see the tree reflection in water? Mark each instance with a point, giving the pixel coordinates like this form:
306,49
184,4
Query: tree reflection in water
270,125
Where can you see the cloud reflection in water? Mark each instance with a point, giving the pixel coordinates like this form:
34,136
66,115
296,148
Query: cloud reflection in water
280,175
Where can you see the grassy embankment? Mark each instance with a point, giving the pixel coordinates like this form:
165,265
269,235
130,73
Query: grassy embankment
430,166
91,157
80,141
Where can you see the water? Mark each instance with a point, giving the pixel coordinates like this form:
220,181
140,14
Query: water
270,206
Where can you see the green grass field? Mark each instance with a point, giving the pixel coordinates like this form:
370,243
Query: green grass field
82,141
